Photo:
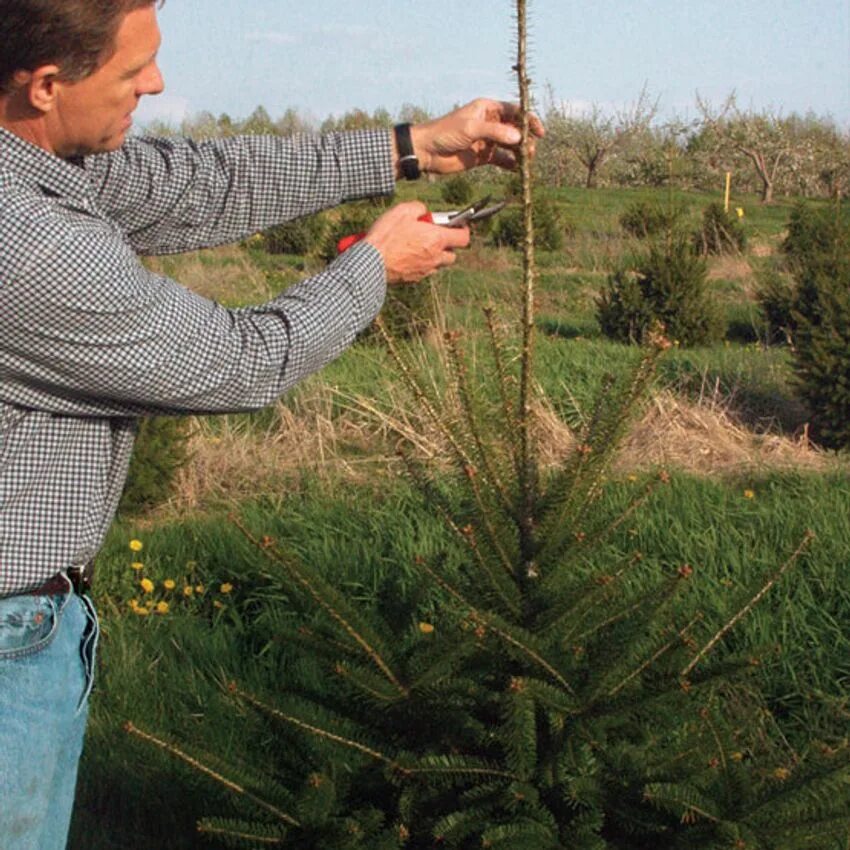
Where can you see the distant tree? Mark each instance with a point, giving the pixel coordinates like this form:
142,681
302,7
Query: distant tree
381,118
161,128
358,119
774,145
225,125
831,155
291,123
202,125
258,123
596,137
413,114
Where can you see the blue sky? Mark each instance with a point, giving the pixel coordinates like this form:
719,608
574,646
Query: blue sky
324,57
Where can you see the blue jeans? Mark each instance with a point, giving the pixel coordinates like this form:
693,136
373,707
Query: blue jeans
47,648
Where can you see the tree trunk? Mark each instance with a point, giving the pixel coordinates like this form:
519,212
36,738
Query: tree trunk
592,167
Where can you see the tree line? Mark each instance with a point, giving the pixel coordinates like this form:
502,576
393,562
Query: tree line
768,152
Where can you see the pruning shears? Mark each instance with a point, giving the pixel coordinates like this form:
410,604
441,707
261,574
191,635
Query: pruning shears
455,218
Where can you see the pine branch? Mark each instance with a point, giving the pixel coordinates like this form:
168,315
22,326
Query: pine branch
467,467
483,452
330,601
574,492
807,540
455,766
494,623
502,381
207,771
683,800
499,575
462,457
315,730
239,833
569,613
518,730
680,635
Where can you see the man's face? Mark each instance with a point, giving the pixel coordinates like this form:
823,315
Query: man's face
94,114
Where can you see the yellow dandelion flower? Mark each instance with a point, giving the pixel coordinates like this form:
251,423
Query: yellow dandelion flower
199,588
749,494
147,585
426,628
739,212
133,603
227,587
137,565
781,774
136,545
142,611
162,608
188,590
169,584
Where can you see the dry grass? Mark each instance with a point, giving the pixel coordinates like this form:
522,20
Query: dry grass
224,274
735,267
234,461
701,438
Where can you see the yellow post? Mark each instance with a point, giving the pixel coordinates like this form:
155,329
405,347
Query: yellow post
728,190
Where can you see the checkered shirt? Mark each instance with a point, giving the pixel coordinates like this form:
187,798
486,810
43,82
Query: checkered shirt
90,340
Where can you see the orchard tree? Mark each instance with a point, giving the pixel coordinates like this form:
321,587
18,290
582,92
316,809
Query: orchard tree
595,136
775,146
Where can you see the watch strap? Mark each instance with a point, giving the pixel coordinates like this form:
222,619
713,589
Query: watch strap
408,161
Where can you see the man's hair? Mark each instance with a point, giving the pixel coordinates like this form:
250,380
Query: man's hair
76,35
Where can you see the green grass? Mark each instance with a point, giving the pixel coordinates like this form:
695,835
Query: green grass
166,673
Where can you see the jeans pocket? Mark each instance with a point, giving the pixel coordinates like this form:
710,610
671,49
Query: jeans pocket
27,625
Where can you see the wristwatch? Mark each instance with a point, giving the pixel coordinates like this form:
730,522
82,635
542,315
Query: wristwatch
407,159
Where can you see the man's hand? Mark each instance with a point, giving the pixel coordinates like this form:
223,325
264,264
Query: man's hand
483,132
411,248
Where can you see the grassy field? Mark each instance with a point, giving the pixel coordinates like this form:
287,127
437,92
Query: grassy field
318,474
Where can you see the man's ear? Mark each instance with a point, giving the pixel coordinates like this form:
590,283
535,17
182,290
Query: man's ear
40,86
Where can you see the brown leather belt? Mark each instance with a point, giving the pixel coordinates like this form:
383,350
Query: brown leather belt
80,579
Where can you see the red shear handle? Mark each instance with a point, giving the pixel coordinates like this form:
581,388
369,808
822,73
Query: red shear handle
347,241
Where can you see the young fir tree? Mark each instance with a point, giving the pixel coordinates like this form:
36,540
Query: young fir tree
554,698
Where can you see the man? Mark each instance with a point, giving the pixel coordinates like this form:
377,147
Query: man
90,340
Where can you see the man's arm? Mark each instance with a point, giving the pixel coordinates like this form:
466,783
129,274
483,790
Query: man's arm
169,196
89,331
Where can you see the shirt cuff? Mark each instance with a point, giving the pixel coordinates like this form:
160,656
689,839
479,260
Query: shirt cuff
368,168
363,267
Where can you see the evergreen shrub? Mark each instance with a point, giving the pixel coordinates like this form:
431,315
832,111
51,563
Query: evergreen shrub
160,451
643,219
813,234
720,232
300,236
818,247
550,227
457,191
353,218
776,293
666,285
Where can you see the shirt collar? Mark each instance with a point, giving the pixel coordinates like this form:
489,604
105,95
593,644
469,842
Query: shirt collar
63,177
